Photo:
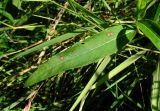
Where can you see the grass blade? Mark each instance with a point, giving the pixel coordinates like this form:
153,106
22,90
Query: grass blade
121,98
92,16
48,43
157,15
151,30
155,95
119,68
91,82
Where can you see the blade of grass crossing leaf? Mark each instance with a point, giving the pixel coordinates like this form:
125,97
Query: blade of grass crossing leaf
151,30
155,92
91,82
104,43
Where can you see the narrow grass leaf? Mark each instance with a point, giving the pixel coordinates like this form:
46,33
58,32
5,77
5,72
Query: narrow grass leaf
151,30
48,43
14,104
91,81
155,92
92,16
91,50
113,84
125,64
119,68
120,100
79,14
72,4
106,5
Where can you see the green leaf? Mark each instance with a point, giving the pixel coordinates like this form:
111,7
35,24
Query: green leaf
51,42
150,30
4,4
155,92
17,3
142,6
22,20
91,50
7,15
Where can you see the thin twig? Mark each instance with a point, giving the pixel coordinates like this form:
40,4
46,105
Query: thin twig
30,98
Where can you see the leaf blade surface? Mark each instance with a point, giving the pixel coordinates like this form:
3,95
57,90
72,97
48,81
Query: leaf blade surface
80,54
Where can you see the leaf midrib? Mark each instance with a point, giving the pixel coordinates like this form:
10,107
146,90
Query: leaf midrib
89,50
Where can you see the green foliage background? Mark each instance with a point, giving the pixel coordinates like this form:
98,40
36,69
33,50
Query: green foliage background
125,78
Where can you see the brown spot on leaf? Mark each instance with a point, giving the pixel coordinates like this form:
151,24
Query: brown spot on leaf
61,57
109,34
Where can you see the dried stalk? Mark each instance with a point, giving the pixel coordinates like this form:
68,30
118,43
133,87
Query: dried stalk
52,30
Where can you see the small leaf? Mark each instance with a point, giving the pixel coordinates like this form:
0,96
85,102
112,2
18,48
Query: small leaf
151,30
17,3
7,15
93,49
22,20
